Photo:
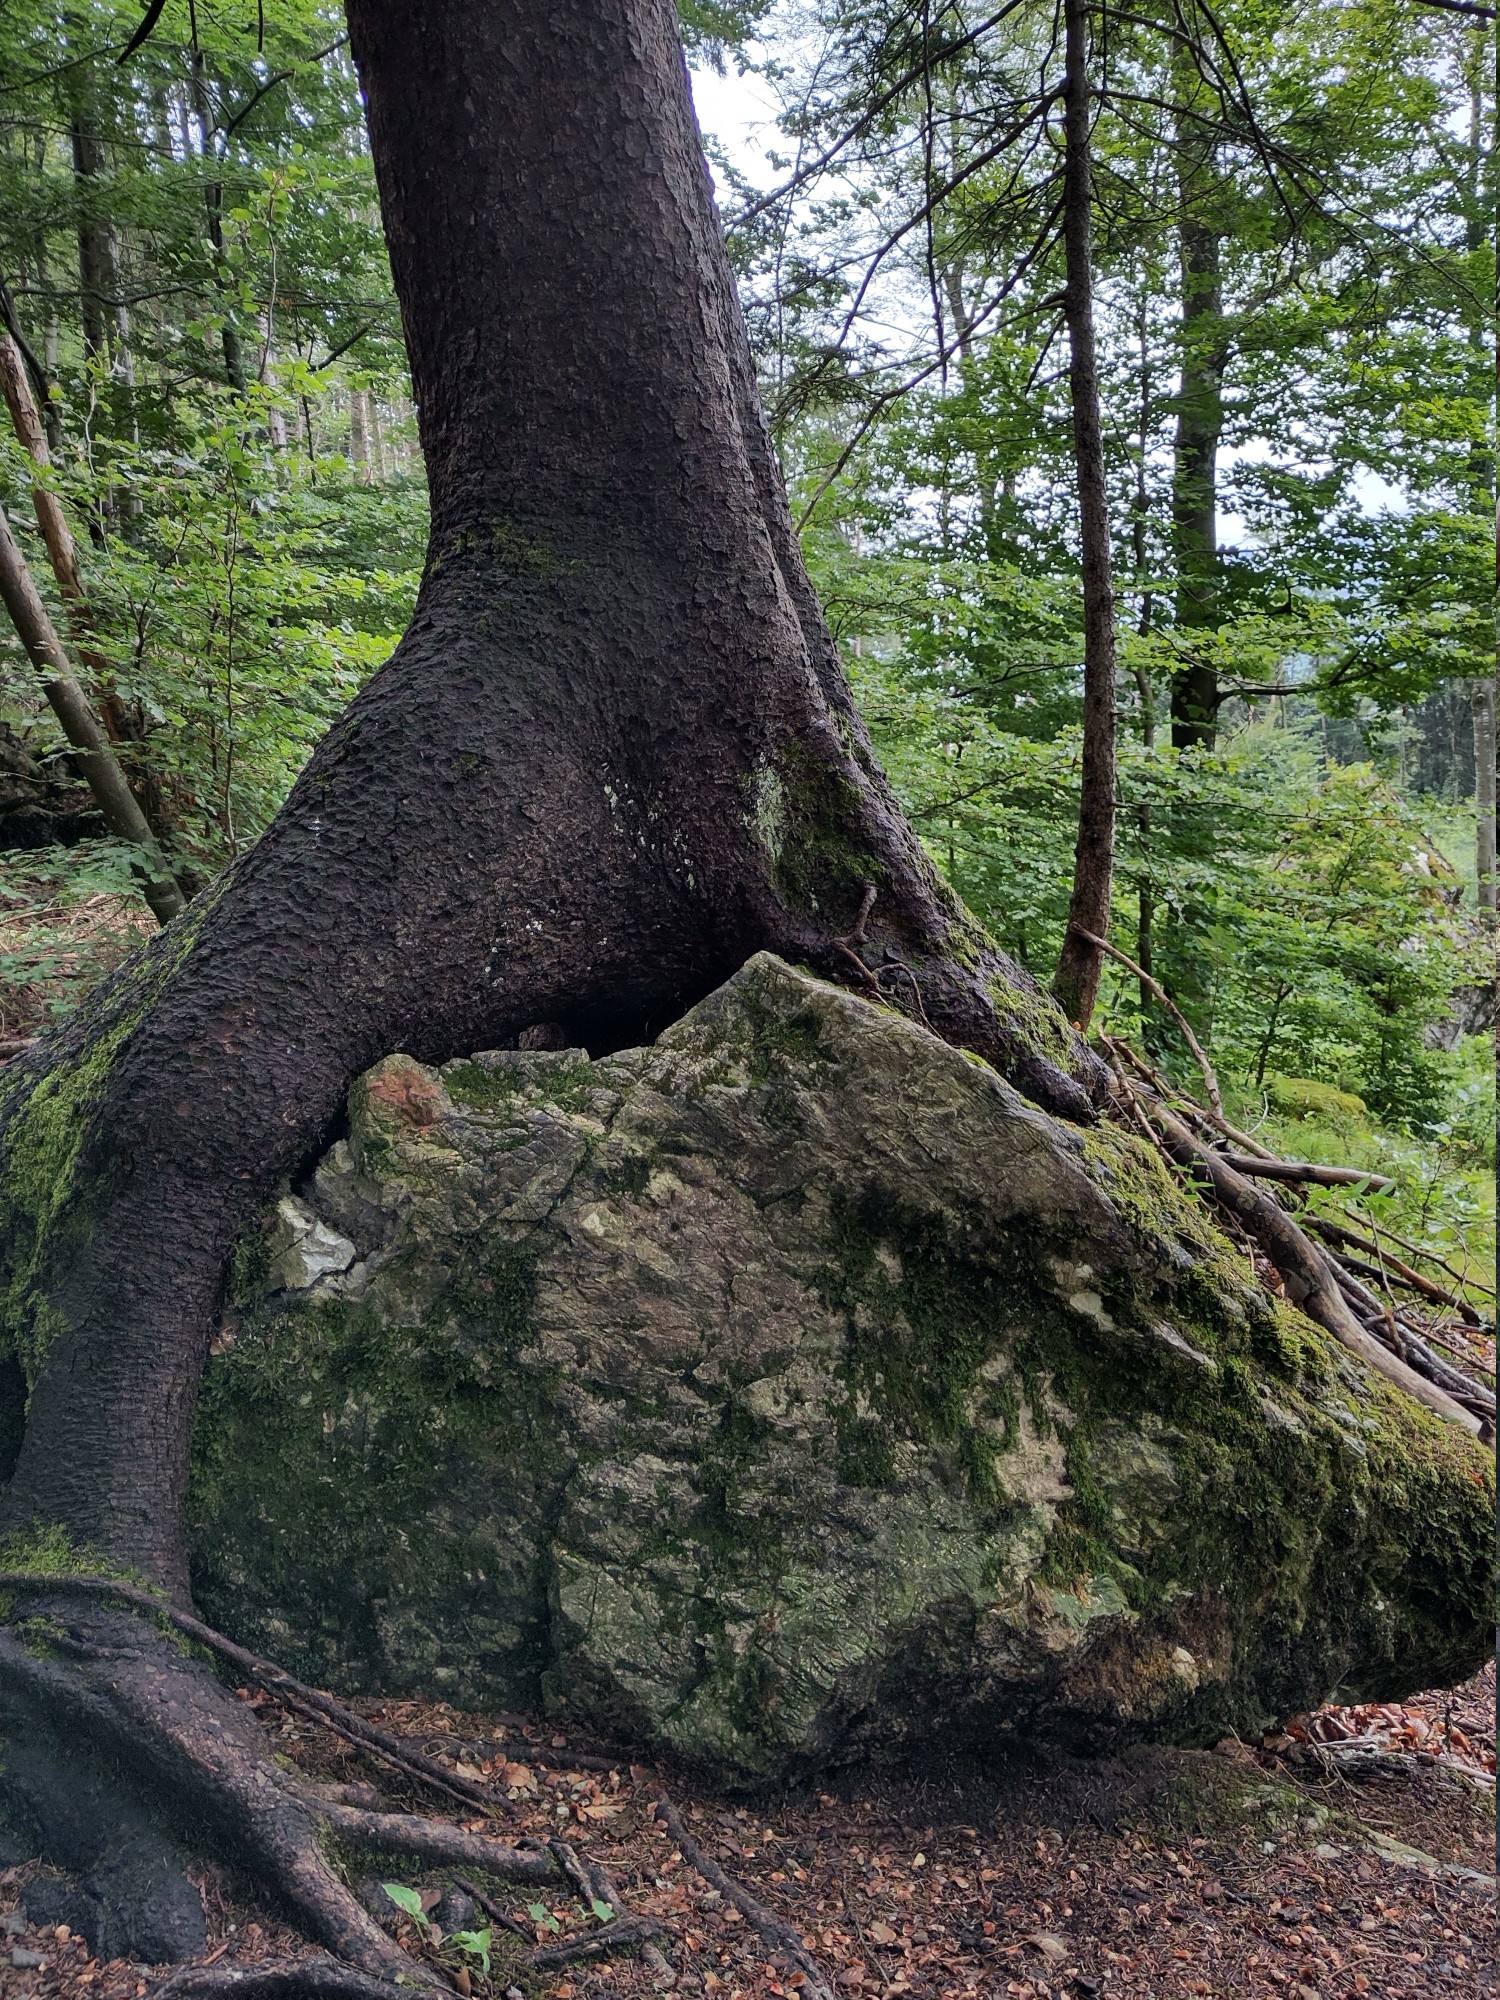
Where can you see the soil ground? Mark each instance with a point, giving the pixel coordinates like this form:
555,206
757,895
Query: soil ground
1349,1854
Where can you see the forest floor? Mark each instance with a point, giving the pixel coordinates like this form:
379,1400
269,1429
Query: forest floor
1349,1854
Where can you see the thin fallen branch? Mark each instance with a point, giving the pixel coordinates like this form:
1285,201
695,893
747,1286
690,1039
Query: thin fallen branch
493,1910
1465,1389
1427,1256
1308,1170
1392,1268
1165,1088
311,1978
532,1753
399,1758
1210,1081
275,1680
618,1936
770,1928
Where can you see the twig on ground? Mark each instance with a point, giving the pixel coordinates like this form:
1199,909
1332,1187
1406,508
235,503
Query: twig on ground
493,1910
859,1931
532,1753
618,1936
770,1928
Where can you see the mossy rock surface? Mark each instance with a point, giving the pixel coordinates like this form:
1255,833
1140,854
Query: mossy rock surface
791,1391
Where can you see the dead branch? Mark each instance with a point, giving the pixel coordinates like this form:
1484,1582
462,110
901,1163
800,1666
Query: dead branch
618,1936
1427,1256
770,1928
1210,1081
1311,1278
493,1910
1307,1170
1392,1269
1164,1087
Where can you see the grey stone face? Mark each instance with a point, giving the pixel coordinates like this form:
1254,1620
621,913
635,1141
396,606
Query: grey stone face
793,1392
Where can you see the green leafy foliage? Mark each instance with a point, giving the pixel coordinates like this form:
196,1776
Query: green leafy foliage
234,443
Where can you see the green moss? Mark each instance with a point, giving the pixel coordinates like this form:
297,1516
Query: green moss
921,1323
1303,1097
250,1267
327,1444
51,1551
500,544
1034,1018
44,1213
806,811
566,1082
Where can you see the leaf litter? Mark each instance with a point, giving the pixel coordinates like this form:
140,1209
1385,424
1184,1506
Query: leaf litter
1289,1867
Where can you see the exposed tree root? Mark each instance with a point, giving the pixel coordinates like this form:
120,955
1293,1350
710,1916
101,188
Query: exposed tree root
621,1935
308,1701
435,1841
775,1933
90,1674
311,1978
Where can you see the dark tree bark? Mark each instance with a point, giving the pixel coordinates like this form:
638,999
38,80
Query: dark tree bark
614,754
1077,982
1200,418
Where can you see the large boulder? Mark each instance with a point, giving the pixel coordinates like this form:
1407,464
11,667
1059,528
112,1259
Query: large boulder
792,1391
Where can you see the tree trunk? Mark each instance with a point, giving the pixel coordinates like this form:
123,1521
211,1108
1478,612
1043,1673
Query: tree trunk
1077,982
614,754
213,206
359,436
1484,789
98,251
1200,419
82,727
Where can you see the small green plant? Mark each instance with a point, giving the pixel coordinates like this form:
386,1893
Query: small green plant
405,1899
474,1944
540,1914
602,1911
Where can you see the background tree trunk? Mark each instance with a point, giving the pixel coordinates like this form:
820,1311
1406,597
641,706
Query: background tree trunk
1484,789
1200,418
613,755
1082,962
